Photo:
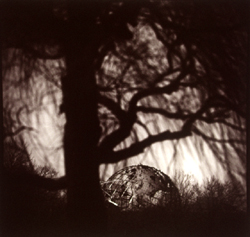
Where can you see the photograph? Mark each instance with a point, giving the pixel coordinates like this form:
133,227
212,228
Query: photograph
124,118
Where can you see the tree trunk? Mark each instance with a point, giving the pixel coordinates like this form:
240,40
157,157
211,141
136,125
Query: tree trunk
86,210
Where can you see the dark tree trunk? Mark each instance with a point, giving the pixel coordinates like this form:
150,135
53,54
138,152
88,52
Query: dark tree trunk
86,211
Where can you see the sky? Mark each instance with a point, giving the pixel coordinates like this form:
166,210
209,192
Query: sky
43,96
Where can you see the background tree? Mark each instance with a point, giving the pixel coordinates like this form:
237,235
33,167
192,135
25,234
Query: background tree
136,73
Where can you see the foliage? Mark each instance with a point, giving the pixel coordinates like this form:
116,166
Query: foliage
213,195
32,208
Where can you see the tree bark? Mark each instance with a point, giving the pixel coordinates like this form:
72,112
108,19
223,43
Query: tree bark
86,210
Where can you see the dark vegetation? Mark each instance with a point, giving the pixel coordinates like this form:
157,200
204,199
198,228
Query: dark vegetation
213,209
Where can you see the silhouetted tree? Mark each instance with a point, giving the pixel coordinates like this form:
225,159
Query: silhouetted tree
137,73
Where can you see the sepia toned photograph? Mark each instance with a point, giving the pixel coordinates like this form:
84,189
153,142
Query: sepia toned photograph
124,118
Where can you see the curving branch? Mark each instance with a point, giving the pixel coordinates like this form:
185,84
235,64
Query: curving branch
19,130
222,121
127,119
112,106
137,148
204,136
177,115
157,90
46,56
37,180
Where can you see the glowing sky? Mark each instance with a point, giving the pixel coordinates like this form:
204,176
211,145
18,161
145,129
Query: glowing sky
37,106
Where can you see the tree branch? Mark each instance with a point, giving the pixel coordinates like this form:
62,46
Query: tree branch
198,132
209,121
127,119
41,54
234,107
157,90
163,112
22,128
126,123
37,181
113,107
137,148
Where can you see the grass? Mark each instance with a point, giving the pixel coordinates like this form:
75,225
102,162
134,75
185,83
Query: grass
214,209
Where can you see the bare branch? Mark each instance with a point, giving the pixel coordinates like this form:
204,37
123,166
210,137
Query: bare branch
144,127
139,147
38,181
42,54
157,90
163,112
198,132
112,106
129,118
210,120
233,107
19,130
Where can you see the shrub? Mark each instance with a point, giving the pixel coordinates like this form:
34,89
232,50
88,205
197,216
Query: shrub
213,195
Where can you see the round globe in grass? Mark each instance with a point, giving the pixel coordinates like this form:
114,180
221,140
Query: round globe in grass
140,187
